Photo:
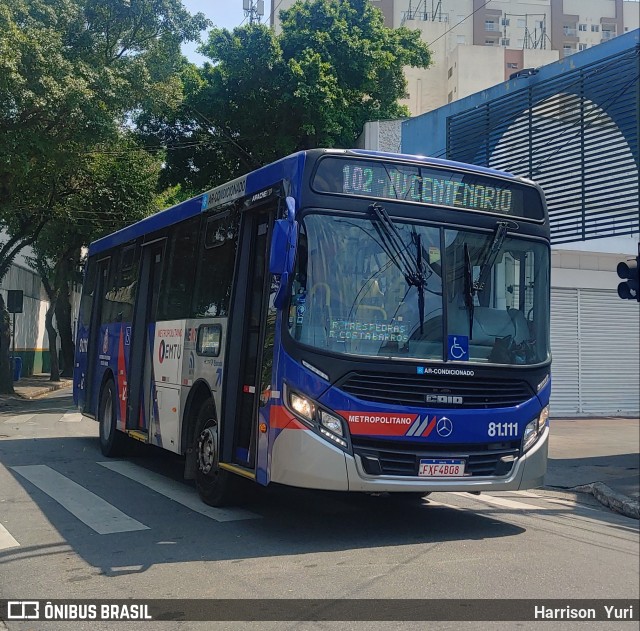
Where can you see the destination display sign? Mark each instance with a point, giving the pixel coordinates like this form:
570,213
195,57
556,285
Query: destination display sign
427,185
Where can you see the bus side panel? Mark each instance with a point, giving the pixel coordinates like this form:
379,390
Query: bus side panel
111,361
166,348
204,365
80,365
83,328
177,364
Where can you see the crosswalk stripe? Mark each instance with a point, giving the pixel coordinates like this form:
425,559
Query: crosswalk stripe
502,501
176,491
6,540
90,509
71,417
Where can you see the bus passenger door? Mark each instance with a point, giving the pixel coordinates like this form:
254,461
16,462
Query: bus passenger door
140,369
247,335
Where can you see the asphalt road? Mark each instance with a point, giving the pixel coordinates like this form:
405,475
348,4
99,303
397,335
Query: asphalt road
75,525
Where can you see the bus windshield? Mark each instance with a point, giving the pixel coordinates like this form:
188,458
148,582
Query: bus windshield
355,291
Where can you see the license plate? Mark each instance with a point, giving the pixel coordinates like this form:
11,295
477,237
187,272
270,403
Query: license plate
441,468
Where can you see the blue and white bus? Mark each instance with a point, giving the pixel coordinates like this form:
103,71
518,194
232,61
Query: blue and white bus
339,319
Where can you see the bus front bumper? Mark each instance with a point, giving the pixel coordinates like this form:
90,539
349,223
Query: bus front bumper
301,458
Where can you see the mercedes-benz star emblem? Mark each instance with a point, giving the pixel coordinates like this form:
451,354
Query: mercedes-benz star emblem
444,427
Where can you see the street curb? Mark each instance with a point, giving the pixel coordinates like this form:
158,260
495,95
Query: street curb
42,391
37,394
617,502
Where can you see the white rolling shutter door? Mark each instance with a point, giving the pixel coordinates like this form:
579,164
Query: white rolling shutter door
595,343
565,396
610,353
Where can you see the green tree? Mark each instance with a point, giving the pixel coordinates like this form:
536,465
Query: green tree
74,74
115,187
334,67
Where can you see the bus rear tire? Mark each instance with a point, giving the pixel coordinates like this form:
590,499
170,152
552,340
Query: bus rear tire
216,487
111,440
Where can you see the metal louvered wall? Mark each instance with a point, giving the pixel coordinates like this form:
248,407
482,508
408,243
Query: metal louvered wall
576,135
595,342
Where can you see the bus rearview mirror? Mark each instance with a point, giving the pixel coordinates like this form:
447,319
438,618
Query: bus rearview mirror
284,241
279,246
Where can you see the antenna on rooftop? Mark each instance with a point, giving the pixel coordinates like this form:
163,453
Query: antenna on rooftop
254,10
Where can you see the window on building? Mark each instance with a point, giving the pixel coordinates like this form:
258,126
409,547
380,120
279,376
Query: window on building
460,39
460,18
505,21
582,27
595,28
512,65
569,30
582,47
449,97
450,72
490,25
489,42
505,41
522,23
568,50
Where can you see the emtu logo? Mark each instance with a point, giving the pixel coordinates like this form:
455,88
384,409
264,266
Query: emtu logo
169,351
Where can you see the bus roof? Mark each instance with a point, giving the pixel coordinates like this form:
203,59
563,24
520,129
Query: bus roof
289,168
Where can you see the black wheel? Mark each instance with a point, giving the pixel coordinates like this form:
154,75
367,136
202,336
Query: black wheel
111,440
216,487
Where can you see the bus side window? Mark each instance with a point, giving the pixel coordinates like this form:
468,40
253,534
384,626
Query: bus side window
177,285
216,263
88,289
120,291
109,310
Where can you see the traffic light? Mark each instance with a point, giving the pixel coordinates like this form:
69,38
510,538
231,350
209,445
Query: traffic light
630,271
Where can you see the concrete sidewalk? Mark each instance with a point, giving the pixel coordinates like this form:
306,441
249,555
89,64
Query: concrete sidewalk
34,387
599,456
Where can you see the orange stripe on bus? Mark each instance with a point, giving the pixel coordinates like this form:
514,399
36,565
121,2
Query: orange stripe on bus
280,418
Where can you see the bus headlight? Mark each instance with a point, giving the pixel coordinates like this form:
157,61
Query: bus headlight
534,428
332,423
530,434
328,425
301,406
542,419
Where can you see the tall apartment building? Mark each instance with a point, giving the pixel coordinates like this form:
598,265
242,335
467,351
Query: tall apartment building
477,44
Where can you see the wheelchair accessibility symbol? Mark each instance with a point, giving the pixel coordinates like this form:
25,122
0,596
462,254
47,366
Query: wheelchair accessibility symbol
458,347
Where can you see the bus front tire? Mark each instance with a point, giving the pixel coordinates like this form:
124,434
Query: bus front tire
111,440
216,487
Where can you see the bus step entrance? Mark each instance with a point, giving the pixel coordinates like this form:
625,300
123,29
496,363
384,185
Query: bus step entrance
136,434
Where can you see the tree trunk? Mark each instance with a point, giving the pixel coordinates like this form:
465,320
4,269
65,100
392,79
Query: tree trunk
63,322
6,377
53,339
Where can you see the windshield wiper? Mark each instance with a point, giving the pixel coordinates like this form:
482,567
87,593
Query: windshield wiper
487,260
490,253
410,267
468,289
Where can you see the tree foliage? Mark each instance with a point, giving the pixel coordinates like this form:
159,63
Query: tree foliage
73,73
262,96
115,188
74,76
